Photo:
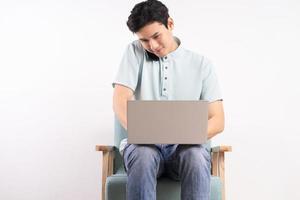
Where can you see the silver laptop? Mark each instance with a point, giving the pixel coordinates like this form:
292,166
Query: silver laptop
167,122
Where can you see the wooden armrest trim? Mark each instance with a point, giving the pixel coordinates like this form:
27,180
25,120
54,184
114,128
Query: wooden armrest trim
222,148
107,163
218,164
104,148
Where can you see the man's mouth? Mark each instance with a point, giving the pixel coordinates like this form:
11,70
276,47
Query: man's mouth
158,51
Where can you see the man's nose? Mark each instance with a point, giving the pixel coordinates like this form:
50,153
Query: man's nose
153,45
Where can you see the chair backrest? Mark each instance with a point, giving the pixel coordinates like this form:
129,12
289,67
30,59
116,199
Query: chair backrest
119,135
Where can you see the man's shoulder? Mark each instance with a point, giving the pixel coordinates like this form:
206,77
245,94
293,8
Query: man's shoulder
195,56
134,50
136,45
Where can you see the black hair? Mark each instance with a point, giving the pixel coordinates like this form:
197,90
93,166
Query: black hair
147,12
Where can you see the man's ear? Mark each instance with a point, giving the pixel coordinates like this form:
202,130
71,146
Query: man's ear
170,23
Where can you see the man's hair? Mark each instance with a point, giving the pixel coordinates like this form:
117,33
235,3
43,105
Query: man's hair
147,12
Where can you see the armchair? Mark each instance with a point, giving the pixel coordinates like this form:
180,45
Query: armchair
114,176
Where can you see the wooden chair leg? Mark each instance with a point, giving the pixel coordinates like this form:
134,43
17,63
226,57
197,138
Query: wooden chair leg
218,164
218,168
214,164
107,169
222,172
107,164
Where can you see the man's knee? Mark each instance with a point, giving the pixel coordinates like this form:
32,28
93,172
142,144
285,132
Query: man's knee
195,156
142,157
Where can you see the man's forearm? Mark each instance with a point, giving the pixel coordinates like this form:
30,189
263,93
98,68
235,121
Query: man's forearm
120,110
215,126
121,95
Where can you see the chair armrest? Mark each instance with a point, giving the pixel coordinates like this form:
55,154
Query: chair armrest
222,148
107,163
218,163
105,148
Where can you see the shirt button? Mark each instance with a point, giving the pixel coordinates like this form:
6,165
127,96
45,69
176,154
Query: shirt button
166,78
166,57
165,89
166,67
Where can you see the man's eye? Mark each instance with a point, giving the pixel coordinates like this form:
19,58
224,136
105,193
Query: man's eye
155,37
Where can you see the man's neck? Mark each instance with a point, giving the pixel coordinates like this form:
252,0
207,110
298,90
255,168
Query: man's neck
175,45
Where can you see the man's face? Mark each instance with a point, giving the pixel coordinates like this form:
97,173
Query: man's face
157,39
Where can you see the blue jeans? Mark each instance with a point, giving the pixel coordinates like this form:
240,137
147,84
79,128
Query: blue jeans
189,164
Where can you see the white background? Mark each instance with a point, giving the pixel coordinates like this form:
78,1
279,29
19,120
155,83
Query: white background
58,59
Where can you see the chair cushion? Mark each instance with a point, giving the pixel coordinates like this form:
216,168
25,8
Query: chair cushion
166,188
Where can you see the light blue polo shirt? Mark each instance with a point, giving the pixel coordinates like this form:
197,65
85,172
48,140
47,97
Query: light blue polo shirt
180,75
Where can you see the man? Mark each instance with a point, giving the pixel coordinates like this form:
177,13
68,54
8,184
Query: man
157,67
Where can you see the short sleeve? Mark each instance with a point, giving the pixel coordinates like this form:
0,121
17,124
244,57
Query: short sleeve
128,72
210,86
